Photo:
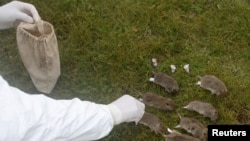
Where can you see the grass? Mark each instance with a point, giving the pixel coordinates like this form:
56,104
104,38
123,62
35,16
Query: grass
106,49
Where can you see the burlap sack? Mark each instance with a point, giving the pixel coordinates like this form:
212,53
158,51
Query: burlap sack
38,48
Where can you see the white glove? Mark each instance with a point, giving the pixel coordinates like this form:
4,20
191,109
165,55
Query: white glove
11,14
126,109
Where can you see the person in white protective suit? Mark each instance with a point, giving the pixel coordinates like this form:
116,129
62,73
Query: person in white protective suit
25,117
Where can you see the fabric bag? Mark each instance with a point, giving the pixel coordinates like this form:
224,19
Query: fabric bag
38,48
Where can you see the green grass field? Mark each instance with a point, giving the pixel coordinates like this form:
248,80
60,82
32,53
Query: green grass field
106,47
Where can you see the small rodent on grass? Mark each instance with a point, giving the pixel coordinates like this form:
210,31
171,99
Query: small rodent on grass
166,81
204,108
213,84
153,122
177,136
194,127
158,101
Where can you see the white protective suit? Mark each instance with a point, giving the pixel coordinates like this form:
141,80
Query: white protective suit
39,118
26,117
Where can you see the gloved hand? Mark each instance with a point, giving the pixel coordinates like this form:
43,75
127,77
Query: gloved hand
126,109
11,14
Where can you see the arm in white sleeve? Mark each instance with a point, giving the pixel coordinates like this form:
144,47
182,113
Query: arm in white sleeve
25,117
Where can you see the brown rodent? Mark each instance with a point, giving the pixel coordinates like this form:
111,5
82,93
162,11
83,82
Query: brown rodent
166,81
177,136
213,84
206,109
158,101
194,127
153,122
